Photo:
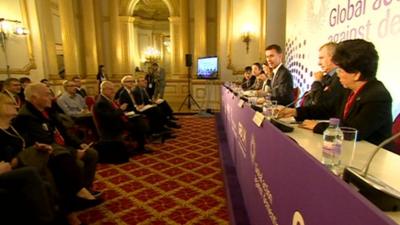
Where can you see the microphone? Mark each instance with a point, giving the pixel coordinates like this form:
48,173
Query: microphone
298,99
381,194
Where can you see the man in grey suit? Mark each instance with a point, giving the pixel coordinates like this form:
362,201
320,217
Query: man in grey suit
282,81
159,77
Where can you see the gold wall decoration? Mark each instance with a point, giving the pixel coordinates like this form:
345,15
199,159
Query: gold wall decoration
233,40
25,49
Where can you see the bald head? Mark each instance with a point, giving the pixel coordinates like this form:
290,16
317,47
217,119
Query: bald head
39,95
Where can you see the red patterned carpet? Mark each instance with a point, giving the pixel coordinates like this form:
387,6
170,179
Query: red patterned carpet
181,183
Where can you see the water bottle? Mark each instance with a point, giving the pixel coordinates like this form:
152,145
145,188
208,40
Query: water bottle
332,144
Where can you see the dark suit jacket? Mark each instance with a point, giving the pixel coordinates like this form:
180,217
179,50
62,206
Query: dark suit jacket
108,119
35,127
140,95
81,92
325,91
371,114
282,86
124,97
247,84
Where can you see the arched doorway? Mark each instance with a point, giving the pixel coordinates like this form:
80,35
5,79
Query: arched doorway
152,34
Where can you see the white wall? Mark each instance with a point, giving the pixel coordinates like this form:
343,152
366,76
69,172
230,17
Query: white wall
276,22
311,23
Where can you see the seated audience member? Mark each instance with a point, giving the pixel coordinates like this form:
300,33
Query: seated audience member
24,197
70,102
156,118
248,79
12,88
20,189
24,82
256,70
124,94
366,105
282,81
111,120
47,83
326,87
51,163
37,124
79,89
143,100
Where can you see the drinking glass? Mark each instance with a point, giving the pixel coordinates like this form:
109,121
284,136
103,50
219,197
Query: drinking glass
270,109
348,148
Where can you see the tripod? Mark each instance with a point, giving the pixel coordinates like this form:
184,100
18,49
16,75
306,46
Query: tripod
189,96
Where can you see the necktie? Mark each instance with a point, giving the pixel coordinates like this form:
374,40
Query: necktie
116,107
273,80
58,138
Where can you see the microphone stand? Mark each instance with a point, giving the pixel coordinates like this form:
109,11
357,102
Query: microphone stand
297,100
381,194
385,142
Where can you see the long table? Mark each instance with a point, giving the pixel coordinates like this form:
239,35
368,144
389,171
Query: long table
283,181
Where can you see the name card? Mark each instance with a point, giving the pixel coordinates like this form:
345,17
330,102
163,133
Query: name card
258,119
241,103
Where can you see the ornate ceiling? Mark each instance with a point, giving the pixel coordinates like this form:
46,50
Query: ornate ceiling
151,10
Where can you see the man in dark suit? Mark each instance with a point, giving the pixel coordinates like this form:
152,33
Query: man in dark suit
79,90
143,101
12,88
366,105
248,79
111,120
326,87
125,96
282,81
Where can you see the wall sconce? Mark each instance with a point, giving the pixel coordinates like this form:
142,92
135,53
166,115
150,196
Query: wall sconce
246,35
152,55
167,45
9,28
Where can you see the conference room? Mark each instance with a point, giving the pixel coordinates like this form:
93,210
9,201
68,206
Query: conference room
199,112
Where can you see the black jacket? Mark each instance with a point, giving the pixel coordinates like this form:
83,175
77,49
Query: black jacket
35,127
108,119
247,84
282,86
141,97
124,97
371,113
325,91
81,92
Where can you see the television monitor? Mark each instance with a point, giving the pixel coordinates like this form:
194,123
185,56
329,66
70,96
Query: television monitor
207,67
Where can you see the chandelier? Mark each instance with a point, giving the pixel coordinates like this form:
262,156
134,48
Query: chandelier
152,55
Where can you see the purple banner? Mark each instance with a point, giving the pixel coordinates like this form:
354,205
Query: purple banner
283,184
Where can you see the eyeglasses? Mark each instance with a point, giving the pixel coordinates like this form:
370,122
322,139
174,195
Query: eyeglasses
129,81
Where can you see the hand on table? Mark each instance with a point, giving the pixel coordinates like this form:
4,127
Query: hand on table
308,124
